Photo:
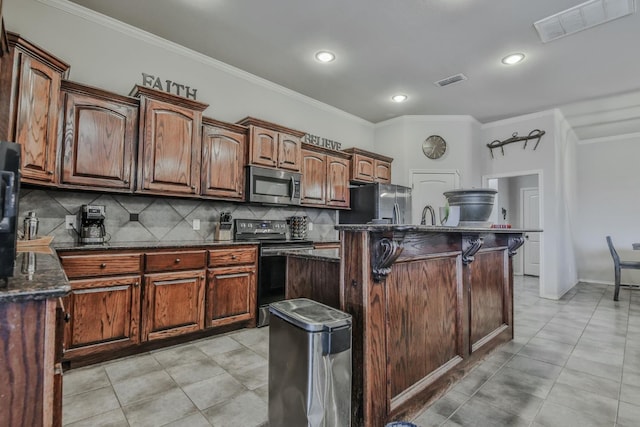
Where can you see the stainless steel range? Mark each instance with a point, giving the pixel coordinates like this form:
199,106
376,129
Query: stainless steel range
272,236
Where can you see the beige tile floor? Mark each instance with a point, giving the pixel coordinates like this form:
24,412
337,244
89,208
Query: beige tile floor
573,362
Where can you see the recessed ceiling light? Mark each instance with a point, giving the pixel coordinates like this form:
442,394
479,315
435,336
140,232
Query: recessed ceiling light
399,98
512,59
325,56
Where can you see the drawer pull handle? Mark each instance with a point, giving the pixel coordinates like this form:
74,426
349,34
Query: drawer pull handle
177,260
103,265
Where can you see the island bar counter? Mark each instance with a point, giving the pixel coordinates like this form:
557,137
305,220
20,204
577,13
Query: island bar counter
428,303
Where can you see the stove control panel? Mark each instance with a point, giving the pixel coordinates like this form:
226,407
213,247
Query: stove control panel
257,227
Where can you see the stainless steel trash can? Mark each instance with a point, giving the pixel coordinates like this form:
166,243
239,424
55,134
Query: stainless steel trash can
309,365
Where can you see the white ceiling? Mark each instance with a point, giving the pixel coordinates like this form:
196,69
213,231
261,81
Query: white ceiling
384,47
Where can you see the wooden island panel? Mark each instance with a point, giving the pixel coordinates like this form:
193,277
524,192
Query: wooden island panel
427,305
424,308
489,295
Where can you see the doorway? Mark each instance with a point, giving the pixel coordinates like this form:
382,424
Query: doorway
530,199
427,187
509,208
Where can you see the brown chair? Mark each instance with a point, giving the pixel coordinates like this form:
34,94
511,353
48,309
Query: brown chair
618,265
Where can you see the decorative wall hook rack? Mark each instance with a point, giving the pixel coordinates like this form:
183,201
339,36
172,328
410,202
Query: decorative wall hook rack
534,134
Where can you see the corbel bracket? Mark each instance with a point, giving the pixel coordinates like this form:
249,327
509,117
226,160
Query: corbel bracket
470,245
385,253
514,243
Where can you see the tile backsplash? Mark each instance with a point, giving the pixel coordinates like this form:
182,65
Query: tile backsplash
166,219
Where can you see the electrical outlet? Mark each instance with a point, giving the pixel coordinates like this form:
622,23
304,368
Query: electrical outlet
70,222
196,224
310,226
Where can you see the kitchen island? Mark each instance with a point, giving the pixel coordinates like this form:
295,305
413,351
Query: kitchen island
428,303
31,341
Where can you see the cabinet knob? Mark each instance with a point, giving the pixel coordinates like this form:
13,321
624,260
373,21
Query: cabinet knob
136,284
126,181
193,187
177,260
49,172
202,277
103,265
233,257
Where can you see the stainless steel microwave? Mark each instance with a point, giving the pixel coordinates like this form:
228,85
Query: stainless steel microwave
273,186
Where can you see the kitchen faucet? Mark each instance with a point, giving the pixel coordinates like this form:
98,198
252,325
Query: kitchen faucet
424,215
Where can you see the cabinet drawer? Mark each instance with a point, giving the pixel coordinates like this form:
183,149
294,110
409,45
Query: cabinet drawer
178,260
233,256
100,264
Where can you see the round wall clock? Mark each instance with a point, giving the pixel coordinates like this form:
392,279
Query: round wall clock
434,147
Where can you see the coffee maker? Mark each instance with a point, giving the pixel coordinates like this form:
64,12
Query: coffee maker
91,224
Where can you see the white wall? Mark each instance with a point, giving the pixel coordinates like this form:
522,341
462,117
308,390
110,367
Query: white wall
558,273
402,138
105,53
608,201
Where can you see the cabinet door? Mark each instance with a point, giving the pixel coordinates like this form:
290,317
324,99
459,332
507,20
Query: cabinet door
363,168
383,172
173,304
289,152
104,315
99,139
337,182
222,163
314,178
263,147
37,120
231,295
170,149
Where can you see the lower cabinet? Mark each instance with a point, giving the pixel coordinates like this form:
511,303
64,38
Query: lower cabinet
173,304
123,299
232,286
104,315
231,295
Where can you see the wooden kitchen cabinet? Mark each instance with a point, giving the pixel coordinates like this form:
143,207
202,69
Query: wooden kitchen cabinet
104,315
31,380
99,139
174,284
314,178
223,159
232,286
30,87
169,152
325,177
272,145
369,167
104,305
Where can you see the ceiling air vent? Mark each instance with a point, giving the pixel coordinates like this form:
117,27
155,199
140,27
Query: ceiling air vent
450,80
581,17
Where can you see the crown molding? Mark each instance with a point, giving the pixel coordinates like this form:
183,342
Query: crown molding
131,31
613,138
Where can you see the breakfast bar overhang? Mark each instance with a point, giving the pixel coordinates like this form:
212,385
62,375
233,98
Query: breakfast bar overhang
428,303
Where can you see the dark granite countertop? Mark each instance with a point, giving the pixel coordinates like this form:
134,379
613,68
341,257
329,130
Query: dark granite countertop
36,276
331,255
431,228
178,244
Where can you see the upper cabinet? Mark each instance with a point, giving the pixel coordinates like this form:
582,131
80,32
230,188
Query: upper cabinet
99,139
369,167
223,159
30,87
325,177
169,148
272,145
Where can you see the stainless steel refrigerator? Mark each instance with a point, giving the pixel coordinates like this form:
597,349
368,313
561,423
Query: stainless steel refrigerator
380,202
